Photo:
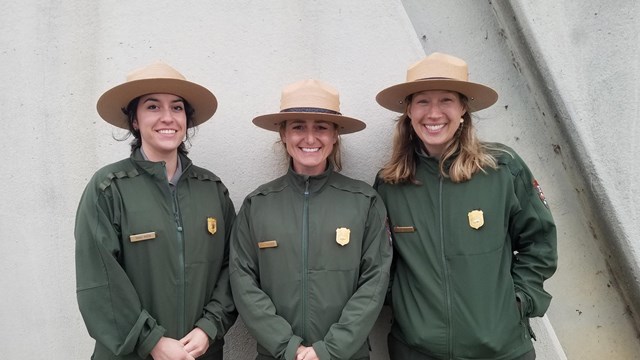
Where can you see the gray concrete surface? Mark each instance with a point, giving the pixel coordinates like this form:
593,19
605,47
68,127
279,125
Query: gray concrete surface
566,72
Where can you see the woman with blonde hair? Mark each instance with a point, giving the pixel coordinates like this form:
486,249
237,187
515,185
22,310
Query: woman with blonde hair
310,255
474,239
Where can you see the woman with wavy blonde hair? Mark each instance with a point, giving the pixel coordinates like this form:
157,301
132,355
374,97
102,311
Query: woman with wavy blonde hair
459,209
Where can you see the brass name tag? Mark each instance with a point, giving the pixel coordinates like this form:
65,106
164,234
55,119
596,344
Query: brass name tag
141,237
267,244
403,229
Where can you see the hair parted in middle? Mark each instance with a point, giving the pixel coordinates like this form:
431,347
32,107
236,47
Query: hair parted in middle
463,156
334,159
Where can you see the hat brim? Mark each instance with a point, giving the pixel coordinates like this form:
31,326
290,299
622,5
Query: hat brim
480,96
346,125
111,103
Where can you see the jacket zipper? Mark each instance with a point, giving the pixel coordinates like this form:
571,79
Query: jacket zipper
305,260
181,261
445,270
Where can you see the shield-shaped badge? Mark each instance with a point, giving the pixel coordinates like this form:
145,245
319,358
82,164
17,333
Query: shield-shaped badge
342,236
212,225
476,219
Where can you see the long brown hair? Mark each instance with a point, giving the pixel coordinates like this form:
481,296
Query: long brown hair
463,156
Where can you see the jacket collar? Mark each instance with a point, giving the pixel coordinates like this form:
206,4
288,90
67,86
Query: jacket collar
157,169
316,182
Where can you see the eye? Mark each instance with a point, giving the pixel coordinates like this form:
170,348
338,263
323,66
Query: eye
178,108
152,107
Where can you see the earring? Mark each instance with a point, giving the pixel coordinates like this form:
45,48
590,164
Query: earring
461,120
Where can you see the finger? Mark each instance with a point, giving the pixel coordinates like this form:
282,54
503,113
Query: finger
185,340
195,353
189,347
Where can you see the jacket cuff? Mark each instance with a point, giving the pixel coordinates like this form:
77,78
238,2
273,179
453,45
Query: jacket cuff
321,350
208,327
150,341
292,347
525,303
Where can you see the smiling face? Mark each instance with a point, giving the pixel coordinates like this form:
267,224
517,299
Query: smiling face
162,122
435,117
309,143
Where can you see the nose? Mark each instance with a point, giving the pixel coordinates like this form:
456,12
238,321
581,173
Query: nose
310,135
166,114
433,111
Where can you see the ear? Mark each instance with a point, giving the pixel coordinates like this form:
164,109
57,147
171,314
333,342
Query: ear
282,136
135,125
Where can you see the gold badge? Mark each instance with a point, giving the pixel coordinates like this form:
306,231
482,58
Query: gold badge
476,219
342,236
212,225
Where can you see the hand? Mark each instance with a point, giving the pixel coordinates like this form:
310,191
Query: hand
306,353
170,349
196,342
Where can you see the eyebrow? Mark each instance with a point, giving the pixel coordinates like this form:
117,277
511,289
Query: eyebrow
324,122
179,99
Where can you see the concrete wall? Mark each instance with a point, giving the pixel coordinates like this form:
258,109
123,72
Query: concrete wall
567,80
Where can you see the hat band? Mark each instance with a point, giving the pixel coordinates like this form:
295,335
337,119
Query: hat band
438,78
310,110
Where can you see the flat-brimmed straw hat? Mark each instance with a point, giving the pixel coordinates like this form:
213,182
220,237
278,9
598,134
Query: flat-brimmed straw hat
157,78
437,72
310,99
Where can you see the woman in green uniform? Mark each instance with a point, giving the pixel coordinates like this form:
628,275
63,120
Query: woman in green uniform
473,235
152,231
310,253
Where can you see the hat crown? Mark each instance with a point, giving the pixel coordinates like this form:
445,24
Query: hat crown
157,70
310,93
438,65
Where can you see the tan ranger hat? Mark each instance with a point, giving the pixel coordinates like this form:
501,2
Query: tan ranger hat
437,72
157,78
310,99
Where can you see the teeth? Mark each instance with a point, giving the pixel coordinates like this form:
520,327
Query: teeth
310,149
434,127
167,131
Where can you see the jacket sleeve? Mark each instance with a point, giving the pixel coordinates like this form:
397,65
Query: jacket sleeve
359,315
107,300
256,309
378,186
533,236
220,313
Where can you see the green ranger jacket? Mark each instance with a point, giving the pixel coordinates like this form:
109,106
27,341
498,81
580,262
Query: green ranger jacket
151,261
470,260
310,258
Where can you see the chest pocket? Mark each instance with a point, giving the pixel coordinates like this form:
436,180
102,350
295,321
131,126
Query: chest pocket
336,250
474,232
